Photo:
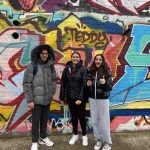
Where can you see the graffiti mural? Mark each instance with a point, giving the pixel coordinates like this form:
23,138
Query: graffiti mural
25,5
120,7
114,28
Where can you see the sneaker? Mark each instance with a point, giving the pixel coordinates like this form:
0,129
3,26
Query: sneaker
98,145
46,142
73,139
34,146
106,147
85,140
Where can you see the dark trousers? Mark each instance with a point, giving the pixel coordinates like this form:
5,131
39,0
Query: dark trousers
78,112
39,121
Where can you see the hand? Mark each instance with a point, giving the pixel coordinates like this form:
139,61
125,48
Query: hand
89,83
61,103
102,81
31,105
78,102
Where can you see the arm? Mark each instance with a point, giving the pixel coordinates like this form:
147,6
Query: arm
105,83
54,78
108,85
27,83
84,85
62,95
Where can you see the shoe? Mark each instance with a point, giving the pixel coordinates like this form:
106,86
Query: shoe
46,142
34,146
98,145
85,140
106,147
73,139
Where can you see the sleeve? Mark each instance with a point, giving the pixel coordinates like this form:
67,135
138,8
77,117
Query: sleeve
84,79
62,95
54,77
27,83
109,84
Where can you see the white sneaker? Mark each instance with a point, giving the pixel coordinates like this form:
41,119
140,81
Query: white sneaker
46,141
106,147
34,146
73,139
85,140
98,145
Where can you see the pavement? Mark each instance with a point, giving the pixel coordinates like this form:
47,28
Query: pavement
121,141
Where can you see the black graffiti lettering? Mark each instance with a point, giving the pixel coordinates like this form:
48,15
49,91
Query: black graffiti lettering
98,38
72,32
93,36
101,36
86,37
78,36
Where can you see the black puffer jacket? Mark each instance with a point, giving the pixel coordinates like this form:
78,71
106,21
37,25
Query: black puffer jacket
97,90
72,85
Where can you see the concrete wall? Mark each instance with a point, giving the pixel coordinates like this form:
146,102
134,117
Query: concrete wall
120,29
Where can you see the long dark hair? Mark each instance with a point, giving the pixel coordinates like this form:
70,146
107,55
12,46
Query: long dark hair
103,70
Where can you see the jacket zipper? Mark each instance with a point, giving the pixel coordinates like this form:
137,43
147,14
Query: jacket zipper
95,84
44,85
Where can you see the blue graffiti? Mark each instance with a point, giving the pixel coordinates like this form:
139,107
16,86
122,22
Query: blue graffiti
132,86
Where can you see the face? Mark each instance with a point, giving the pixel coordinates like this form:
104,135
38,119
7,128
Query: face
75,58
98,61
44,55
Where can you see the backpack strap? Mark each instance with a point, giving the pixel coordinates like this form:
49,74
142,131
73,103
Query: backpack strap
53,72
35,69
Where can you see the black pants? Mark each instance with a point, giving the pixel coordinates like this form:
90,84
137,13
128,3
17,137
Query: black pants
39,121
77,112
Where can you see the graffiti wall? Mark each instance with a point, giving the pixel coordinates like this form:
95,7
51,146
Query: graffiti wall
120,29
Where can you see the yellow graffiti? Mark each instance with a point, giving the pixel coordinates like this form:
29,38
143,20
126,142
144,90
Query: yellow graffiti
3,24
98,52
6,112
133,105
66,57
51,38
76,34
16,63
148,76
55,106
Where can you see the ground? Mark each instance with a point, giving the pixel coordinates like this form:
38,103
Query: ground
121,141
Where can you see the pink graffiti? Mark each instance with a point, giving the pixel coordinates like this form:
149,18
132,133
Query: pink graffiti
24,127
11,50
59,69
53,4
117,121
25,5
129,6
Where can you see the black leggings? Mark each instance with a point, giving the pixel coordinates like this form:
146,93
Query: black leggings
78,112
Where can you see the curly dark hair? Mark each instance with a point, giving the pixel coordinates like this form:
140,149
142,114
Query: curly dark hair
102,70
35,53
